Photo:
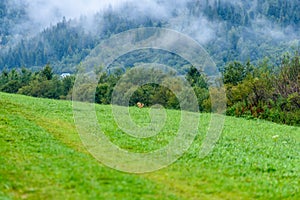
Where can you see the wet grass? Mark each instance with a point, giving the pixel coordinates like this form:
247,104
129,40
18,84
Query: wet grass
42,157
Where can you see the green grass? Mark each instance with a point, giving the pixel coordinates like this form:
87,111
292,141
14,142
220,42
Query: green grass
42,157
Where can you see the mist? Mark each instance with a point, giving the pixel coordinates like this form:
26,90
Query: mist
185,16
43,13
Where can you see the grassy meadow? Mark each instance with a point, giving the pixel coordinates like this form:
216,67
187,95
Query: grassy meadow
42,157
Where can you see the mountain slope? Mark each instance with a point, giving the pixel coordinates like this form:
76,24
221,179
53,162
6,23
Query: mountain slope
42,157
228,30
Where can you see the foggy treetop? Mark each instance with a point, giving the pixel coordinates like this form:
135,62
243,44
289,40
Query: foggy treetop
62,33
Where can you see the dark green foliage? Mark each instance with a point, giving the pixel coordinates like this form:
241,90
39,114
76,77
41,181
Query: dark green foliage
42,88
280,11
67,86
151,94
11,87
105,87
151,55
67,43
234,73
196,78
47,73
10,16
40,84
10,81
271,93
60,42
265,93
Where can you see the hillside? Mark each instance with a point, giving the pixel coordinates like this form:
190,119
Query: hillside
42,157
228,30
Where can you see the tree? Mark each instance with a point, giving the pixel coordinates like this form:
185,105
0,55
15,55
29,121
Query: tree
234,73
47,72
288,80
195,78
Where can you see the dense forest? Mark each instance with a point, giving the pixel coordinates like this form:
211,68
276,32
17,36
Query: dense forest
255,45
240,30
252,91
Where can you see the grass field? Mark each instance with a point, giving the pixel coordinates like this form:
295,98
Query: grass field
42,157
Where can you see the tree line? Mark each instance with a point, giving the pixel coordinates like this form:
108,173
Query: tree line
271,93
262,91
44,83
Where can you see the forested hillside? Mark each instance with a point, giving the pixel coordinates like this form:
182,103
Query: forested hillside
248,40
253,91
229,30
149,99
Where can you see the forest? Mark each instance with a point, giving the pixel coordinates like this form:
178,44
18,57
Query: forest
149,99
263,91
254,44
237,30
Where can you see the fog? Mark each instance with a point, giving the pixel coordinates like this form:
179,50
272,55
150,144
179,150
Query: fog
44,13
